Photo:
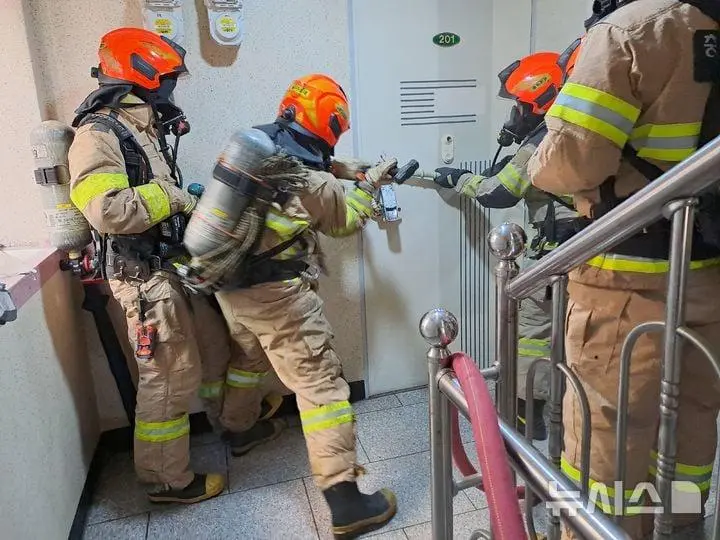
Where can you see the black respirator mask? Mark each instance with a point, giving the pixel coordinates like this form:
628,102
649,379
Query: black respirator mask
171,117
519,125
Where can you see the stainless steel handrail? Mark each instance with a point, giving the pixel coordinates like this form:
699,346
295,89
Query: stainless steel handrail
645,207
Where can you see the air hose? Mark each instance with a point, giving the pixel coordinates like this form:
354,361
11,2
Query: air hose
497,480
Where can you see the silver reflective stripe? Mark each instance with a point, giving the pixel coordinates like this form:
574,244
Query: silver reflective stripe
596,111
665,143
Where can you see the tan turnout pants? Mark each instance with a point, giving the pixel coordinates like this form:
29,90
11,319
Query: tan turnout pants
168,381
598,321
534,329
232,381
286,319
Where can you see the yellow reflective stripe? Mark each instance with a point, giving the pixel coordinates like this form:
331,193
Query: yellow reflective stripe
95,185
285,227
666,142
700,475
156,201
327,416
238,378
158,432
662,131
513,181
533,347
703,482
211,390
660,154
625,263
360,201
600,491
590,123
596,111
613,103
688,469
353,222
470,188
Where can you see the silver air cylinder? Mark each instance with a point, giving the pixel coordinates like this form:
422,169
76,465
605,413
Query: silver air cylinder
68,229
229,192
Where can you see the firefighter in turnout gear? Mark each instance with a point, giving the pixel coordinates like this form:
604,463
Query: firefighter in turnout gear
636,102
124,181
276,315
533,83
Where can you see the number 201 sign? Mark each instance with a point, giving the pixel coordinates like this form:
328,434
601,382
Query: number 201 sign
446,39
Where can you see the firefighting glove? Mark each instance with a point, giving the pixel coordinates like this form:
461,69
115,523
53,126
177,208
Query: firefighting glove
380,173
180,200
452,178
349,168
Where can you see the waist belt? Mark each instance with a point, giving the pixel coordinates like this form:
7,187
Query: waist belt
137,257
654,243
268,271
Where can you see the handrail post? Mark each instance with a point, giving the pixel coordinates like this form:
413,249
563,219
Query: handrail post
506,242
683,213
439,328
557,357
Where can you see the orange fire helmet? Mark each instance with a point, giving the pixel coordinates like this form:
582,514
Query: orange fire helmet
535,80
139,57
317,105
569,56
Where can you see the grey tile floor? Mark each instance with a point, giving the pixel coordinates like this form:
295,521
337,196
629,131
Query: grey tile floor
270,494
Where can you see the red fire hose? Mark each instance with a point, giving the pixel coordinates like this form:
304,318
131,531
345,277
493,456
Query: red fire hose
497,483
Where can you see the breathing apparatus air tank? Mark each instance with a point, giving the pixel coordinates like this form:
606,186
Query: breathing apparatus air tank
69,230
226,197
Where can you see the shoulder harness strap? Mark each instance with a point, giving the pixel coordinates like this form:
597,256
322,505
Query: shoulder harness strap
137,163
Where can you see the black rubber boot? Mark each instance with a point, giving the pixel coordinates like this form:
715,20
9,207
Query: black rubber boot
355,513
202,487
539,431
262,432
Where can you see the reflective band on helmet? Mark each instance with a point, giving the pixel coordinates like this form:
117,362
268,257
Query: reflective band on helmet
327,416
211,390
360,201
158,432
285,227
641,265
666,142
513,181
596,111
533,347
700,475
244,379
156,201
96,185
602,494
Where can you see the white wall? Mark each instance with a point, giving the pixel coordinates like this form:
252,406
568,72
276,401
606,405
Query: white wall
49,421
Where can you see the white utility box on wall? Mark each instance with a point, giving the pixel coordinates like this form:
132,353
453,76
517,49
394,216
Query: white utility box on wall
424,87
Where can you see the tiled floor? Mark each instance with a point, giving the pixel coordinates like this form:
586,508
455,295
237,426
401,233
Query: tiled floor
270,494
